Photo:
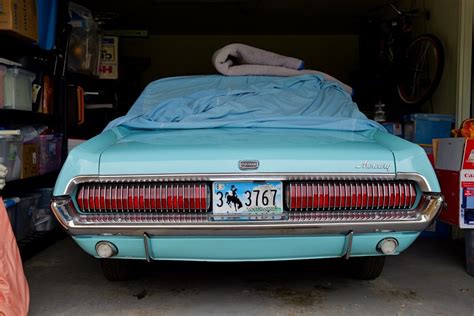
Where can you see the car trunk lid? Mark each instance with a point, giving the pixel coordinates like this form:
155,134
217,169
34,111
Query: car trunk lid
220,150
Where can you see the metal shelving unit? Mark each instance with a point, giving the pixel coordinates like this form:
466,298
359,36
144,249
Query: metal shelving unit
26,117
50,62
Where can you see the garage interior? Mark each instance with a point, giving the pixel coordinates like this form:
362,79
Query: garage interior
166,38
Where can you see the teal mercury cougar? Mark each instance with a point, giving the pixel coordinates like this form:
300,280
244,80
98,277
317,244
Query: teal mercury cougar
251,168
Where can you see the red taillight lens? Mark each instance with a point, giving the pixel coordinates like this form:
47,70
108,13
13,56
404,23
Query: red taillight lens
350,195
138,197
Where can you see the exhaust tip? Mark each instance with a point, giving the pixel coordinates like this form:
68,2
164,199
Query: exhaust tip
106,249
387,246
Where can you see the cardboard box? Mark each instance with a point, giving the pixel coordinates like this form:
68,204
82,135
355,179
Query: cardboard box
108,66
19,16
449,153
30,160
455,170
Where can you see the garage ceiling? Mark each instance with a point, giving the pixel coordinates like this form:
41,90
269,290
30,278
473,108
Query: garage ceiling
238,16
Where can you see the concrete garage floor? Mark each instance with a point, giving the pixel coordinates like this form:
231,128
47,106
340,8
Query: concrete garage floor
428,279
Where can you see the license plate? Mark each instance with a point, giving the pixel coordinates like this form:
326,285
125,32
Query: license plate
248,200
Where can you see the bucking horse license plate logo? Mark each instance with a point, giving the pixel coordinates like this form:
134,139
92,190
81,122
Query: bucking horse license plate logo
247,198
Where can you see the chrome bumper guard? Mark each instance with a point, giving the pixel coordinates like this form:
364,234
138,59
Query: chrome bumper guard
426,212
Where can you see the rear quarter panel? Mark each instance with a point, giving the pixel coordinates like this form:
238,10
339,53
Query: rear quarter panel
84,159
409,157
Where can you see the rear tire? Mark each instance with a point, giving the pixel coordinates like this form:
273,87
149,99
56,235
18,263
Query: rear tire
365,268
120,269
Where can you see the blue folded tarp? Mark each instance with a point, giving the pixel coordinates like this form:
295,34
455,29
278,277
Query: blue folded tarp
248,101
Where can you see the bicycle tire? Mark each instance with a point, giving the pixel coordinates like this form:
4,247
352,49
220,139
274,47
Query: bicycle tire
437,47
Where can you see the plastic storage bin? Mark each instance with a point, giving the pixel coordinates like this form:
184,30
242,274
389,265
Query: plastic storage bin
49,153
3,71
423,128
43,217
11,206
45,223
393,128
84,42
45,199
47,18
18,89
11,155
24,226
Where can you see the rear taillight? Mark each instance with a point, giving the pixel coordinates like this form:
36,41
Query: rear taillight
350,195
143,197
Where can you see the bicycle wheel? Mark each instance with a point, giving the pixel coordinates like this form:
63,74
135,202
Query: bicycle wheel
421,70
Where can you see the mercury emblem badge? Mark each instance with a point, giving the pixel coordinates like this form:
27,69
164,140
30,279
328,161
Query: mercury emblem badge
248,164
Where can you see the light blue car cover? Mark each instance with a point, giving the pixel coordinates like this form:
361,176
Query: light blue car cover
193,102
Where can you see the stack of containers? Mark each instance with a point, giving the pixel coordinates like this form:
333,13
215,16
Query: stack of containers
30,155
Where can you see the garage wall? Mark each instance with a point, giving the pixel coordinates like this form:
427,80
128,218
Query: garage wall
452,22
444,23
174,55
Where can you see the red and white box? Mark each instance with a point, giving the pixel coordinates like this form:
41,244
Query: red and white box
454,164
108,65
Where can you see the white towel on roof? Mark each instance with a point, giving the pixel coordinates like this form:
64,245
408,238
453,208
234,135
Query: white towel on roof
243,60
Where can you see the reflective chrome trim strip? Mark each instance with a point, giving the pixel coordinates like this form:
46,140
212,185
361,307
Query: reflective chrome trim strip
427,210
347,252
146,244
418,178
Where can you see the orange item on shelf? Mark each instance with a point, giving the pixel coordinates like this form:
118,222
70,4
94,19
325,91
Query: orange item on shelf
14,290
466,130
46,104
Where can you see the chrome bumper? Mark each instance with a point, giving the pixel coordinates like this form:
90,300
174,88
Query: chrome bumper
428,208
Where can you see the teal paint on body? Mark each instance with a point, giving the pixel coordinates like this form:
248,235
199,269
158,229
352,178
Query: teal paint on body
85,158
121,151
219,150
246,248
409,157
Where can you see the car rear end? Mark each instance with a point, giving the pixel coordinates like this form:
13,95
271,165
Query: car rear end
252,213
